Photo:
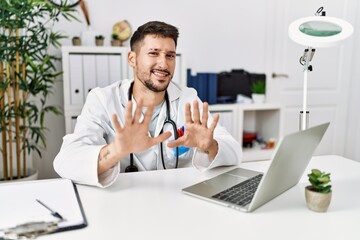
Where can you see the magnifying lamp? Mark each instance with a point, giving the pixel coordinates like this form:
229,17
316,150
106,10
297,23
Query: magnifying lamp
318,31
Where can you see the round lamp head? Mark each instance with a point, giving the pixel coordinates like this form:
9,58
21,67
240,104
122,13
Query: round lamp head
319,31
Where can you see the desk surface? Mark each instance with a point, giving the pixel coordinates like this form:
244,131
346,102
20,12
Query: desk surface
150,205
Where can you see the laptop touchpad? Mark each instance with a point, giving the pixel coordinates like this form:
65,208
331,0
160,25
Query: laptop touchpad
224,181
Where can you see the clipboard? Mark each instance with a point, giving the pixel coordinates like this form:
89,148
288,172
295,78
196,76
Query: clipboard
19,205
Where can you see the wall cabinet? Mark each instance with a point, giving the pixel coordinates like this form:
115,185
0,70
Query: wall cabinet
262,119
85,68
88,67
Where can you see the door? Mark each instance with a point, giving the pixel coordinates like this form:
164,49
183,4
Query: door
328,83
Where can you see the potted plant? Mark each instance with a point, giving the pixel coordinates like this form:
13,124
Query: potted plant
318,194
99,40
123,30
76,41
27,77
258,89
115,41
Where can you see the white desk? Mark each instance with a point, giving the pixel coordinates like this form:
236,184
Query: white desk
150,205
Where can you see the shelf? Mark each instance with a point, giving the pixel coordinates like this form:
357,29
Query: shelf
259,106
94,50
262,119
257,154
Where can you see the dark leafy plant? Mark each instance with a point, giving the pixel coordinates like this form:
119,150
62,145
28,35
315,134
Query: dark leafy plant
115,36
258,87
99,37
27,77
320,181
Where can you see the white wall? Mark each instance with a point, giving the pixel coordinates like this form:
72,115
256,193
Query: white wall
352,150
213,38
203,26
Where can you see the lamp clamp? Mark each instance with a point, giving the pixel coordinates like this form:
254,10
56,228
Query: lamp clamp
306,58
320,12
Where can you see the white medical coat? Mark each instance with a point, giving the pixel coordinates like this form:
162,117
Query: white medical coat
78,156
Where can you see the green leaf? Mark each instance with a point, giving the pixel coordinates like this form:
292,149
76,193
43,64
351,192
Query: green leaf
324,179
316,172
319,180
327,189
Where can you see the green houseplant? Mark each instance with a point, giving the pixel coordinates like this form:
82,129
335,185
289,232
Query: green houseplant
318,194
115,41
258,90
99,40
258,87
76,41
27,76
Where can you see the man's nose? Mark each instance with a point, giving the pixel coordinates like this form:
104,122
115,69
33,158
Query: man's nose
162,62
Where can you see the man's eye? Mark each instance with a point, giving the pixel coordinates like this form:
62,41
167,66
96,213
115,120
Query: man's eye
171,56
153,53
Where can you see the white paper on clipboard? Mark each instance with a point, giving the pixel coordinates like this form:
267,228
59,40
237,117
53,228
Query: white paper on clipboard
19,205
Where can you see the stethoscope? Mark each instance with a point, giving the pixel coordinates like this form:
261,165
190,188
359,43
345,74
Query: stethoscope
132,167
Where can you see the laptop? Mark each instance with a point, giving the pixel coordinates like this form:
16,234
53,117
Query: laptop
246,190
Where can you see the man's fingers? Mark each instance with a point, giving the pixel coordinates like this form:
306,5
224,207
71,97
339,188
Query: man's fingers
148,115
162,137
196,112
116,123
128,114
188,113
205,114
176,143
214,122
138,111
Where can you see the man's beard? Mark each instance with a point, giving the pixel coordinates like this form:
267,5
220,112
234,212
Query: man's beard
149,84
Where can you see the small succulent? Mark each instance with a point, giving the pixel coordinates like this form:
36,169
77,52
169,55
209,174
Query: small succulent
320,181
99,37
115,36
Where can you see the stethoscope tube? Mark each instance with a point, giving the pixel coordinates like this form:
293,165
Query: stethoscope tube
132,167
173,124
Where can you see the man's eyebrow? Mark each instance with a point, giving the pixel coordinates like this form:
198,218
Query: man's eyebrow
159,50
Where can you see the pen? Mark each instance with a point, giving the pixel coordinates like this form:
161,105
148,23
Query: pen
55,214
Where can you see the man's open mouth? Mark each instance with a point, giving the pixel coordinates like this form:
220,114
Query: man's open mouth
160,73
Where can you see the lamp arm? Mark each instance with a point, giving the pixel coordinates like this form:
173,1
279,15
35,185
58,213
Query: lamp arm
304,113
305,61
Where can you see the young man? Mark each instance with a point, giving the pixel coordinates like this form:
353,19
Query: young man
133,124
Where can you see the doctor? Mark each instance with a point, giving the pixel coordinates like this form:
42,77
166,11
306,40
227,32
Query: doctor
121,127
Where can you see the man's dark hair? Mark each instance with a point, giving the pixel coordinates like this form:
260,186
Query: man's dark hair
154,28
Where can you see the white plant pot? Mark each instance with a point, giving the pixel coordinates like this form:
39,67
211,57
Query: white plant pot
32,174
258,98
316,201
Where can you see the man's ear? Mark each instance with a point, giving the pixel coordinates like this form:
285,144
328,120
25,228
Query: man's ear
131,58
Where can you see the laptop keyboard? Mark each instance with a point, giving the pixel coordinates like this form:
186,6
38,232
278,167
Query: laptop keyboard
242,193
